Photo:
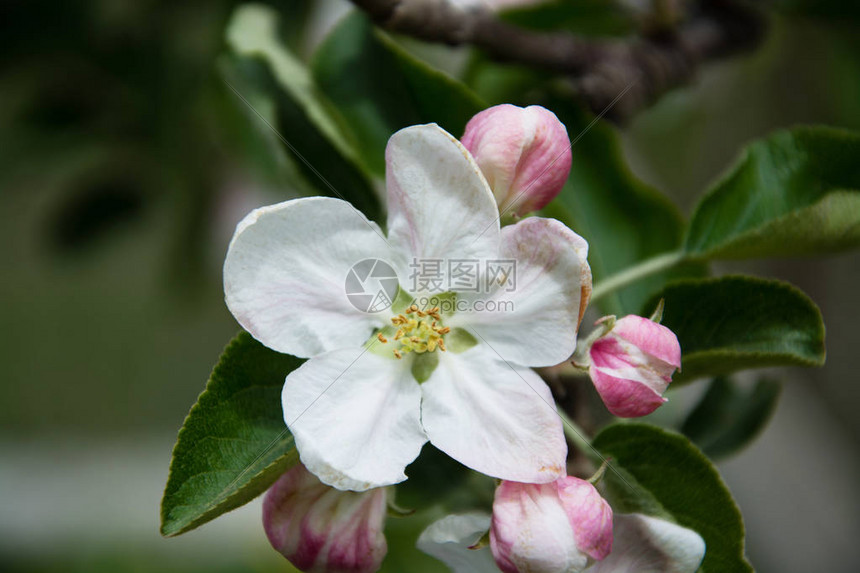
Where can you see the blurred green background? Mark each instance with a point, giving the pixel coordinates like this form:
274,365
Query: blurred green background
123,170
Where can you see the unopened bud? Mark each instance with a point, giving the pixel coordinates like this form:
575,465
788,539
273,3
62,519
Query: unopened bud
524,153
632,365
322,529
559,527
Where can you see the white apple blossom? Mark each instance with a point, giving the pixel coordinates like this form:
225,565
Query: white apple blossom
367,399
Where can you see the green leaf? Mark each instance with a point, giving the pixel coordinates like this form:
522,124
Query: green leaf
234,443
666,476
732,323
251,140
379,88
624,220
795,193
311,126
498,83
584,17
729,416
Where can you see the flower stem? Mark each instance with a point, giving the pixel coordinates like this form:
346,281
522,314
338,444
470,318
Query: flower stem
573,432
632,274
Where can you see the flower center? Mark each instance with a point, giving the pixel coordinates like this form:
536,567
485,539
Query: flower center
418,331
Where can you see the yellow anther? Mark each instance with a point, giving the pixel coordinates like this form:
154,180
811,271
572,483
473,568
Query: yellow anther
416,332
442,345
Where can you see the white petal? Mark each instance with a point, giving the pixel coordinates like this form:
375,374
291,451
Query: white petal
533,320
286,270
355,416
440,207
645,544
494,418
449,539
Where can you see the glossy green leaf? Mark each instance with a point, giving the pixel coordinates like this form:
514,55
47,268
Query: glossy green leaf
584,17
730,415
308,124
380,89
795,193
732,323
663,474
624,220
234,443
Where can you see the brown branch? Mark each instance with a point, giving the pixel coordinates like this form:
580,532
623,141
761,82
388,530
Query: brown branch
601,69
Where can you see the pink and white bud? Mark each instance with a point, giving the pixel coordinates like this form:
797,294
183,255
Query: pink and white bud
322,529
558,527
632,365
524,154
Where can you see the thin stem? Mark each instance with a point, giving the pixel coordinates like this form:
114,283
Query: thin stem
629,276
574,432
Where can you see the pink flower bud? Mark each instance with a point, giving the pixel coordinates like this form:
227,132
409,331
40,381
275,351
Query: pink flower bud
322,529
557,527
524,154
632,365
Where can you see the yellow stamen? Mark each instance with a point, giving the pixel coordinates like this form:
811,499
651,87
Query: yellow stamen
417,331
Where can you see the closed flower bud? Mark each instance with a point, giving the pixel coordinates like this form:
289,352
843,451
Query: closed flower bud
632,365
558,527
322,529
524,153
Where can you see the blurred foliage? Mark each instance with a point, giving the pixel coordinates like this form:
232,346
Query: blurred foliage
584,17
380,88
